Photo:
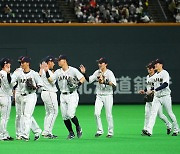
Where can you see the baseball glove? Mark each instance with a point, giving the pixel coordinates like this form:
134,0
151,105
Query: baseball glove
149,98
101,78
29,84
72,83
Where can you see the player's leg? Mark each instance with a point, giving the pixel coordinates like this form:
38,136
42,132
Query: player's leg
5,108
18,116
73,100
148,108
155,107
51,106
108,104
29,101
167,102
67,122
35,129
165,119
97,113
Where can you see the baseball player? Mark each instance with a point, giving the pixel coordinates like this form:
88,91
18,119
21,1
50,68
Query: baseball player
28,96
5,98
148,106
49,98
18,104
161,98
104,89
69,97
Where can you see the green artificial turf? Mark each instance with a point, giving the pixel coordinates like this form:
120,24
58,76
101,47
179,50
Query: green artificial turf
128,122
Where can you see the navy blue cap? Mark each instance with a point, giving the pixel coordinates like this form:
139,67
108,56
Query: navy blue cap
20,58
150,65
49,58
160,61
102,60
62,57
26,59
4,61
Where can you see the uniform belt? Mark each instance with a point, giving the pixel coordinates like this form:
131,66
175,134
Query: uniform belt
66,93
25,94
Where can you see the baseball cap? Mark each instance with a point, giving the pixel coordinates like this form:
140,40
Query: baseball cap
150,65
4,61
102,60
62,57
26,59
160,61
19,59
49,58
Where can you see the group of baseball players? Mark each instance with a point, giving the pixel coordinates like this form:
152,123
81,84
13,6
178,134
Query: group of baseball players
158,88
24,84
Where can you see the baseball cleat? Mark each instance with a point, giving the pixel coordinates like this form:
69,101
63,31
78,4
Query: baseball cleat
146,133
71,136
79,132
97,135
5,139
169,131
10,138
175,134
24,138
18,137
50,136
109,136
36,137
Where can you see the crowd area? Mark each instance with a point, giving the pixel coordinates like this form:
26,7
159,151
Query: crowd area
112,11
174,7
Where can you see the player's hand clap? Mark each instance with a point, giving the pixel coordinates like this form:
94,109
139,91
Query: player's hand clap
82,69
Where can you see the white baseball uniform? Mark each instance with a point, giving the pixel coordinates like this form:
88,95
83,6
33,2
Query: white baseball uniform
148,107
49,98
19,113
104,97
162,97
5,104
68,99
28,99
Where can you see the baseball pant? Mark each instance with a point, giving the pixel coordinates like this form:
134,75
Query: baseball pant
28,105
5,108
166,102
148,109
68,105
51,107
107,102
19,117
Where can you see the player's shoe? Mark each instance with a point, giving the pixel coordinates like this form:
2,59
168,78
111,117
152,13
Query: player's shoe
79,132
5,139
109,136
71,136
24,138
169,131
50,136
97,135
142,132
175,134
146,133
18,137
10,138
36,137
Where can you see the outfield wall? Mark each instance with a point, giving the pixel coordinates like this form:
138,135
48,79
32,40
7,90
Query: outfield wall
128,49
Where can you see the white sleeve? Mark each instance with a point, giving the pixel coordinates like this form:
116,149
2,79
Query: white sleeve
38,79
78,74
93,77
166,77
112,78
54,77
14,78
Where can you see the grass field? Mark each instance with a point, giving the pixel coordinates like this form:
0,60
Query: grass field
128,122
